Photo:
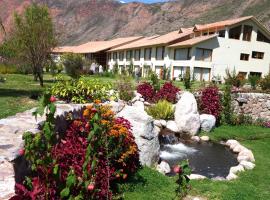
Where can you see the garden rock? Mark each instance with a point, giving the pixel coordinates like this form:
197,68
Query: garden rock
205,138
171,125
247,165
231,176
158,123
236,169
238,148
248,154
163,122
187,117
196,177
146,136
163,167
208,122
195,138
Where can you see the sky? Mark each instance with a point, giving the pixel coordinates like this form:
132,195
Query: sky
144,1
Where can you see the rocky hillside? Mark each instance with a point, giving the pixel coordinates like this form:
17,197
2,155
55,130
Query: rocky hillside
79,21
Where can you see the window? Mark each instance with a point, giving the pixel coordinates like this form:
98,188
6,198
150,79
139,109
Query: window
181,54
221,33
262,38
121,56
244,56
115,56
203,54
235,32
160,53
147,54
257,55
129,55
259,74
137,54
247,33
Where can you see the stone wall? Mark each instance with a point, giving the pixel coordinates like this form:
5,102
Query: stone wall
256,105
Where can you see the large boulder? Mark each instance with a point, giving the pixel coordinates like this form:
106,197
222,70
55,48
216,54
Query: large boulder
146,136
186,114
208,122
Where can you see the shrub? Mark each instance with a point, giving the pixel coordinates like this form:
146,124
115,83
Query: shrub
73,64
233,79
227,109
210,101
146,90
242,119
95,152
265,82
187,79
154,81
83,90
125,88
167,92
8,69
183,182
253,80
161,110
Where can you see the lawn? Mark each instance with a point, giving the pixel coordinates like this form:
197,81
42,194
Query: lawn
250,185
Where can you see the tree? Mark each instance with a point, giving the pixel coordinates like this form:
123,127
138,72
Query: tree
33,38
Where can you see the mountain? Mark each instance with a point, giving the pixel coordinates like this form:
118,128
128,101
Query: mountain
79,21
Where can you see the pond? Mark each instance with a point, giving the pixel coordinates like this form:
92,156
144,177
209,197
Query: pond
205,158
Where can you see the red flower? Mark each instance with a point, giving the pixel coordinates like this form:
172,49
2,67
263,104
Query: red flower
94,110
91,187
177,169
52,99
125,176
21,152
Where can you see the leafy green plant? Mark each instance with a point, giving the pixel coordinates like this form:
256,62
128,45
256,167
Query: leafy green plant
125,88
154,81
161,110
226,103
183,186
253,80
73,64
234,79
265,82
115,68
8,69
187,79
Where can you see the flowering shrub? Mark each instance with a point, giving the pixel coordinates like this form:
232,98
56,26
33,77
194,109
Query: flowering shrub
210,101
267,124
96,151
146,90
167,92
183,171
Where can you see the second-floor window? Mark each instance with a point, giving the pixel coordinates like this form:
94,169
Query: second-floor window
234,33
221,33
121,56
129,55
257,55
147,54
137,54
203,54
115,56
247,33
182,54
262,38
244,56
160,53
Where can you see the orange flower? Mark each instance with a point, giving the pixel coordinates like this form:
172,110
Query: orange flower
89,107
86,113
97,101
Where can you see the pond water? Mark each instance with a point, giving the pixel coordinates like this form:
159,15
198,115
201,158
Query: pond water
207,159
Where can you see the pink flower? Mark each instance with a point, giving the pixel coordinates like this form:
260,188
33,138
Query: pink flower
21,152
52,99
91,187
177,169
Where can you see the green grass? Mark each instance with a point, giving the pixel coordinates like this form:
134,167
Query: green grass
250,185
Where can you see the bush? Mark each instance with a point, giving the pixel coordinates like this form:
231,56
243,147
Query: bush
73,64
227,109
154,81
233,79
167,92
265,82
8,69
125,88
187,79
210,101
161,110
146,90
97,151
253,80
83,90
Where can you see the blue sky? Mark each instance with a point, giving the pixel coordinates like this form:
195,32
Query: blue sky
144,1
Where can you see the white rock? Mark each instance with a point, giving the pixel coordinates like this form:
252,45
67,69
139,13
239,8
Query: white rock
196,177
236,169
243,158
171,125
146,136
157,123
230,142
139,105
247,153
231,176
205,138
238,148
195,138
163,122
247,165
186,114
134,99
142,99
218,178
208,122
163,167
146,103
